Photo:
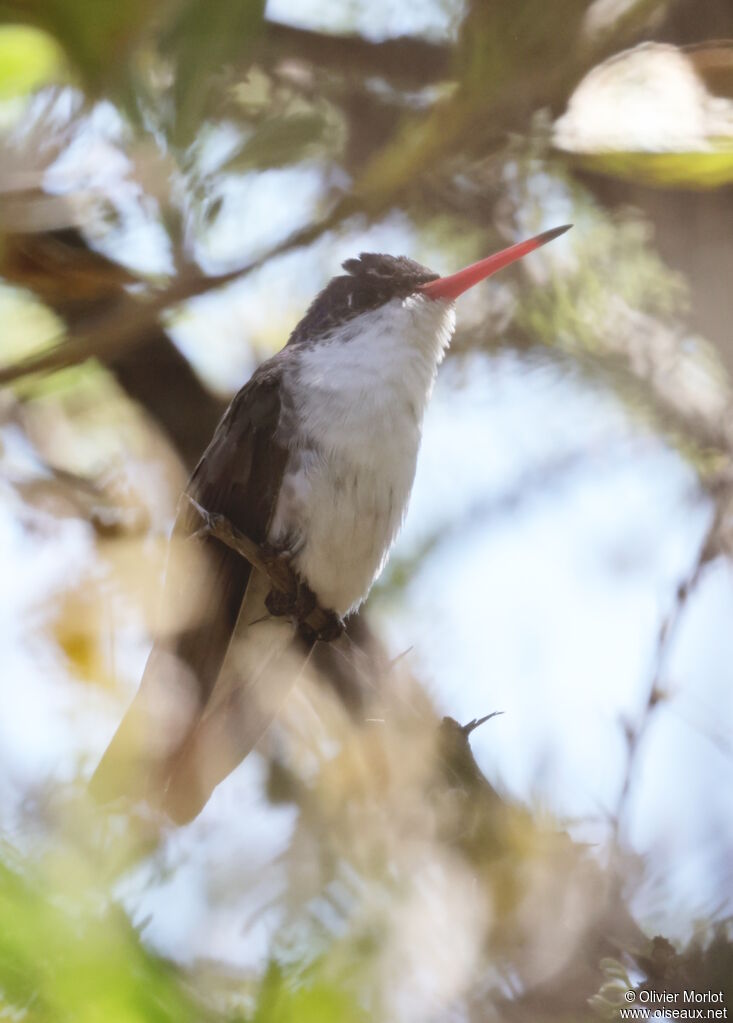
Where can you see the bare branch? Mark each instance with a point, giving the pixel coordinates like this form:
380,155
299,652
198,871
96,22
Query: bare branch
668,629
318,622
406,61
125,325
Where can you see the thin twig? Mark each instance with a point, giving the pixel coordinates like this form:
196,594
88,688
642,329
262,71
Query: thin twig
667,632
477,722
125,325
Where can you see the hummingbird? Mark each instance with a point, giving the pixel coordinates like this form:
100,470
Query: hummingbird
314,460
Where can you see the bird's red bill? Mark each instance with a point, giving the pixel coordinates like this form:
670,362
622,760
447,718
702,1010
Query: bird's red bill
449,288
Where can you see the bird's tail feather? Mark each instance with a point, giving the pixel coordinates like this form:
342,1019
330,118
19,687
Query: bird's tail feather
205,587
225,735
173,748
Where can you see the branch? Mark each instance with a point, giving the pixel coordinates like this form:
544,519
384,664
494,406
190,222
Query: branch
159,378
124,327
406,60
121,327
668,629
318,622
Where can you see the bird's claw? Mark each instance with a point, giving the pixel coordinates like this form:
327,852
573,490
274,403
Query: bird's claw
313,622
294,598
279,603
328,628
289,596
299,602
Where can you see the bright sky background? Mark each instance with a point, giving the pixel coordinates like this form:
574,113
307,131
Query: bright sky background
546,610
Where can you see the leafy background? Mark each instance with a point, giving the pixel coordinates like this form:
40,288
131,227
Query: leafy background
177,180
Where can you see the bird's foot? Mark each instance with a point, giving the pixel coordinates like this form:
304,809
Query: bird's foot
297,604
314,623
294,598
289,596
323,626
280,604
306,601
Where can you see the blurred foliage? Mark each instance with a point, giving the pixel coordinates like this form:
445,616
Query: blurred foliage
311,1000
62,958
666,170
98,43
28,59
177,136
66,955
200,42
684,100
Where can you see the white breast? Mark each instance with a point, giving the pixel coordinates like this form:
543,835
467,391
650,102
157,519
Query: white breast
359,400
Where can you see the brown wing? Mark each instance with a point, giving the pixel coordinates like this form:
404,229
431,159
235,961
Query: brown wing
239,476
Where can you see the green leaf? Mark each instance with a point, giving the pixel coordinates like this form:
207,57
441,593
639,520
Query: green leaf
203,41
700,170
97,38
61,959
28,58
308,999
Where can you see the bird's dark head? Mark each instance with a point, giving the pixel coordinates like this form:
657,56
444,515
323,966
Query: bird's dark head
374,279
371,281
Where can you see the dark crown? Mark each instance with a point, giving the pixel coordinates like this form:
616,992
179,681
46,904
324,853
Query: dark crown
371,281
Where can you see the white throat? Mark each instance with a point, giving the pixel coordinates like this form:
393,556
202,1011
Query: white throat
358,401
396,348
